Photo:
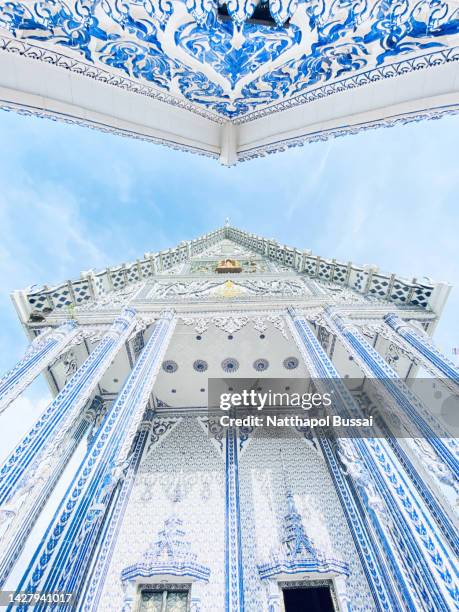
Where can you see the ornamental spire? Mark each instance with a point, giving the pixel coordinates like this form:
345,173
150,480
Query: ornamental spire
295,539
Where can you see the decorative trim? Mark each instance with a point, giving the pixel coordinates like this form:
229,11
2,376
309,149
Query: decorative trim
347,130
230,324
170,555
234,572
261,365
200,365
400,68
304,566
33,111
60,60
169,366
230,365
290,363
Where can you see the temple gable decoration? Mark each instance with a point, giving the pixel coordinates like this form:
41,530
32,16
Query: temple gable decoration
228,266
297,553
169,555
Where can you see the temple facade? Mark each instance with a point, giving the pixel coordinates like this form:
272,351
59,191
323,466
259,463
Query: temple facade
128,494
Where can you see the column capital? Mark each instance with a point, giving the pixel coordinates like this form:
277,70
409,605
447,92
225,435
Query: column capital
432,359
340,322
123,321
56,333
394,321
168,315
129,312
63,329
39,354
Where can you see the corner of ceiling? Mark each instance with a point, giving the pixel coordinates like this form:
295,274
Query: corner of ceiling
228,144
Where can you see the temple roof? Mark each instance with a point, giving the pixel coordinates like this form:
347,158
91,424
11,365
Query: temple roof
206,76
205,254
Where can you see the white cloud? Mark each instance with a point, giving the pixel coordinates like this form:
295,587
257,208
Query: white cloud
41,225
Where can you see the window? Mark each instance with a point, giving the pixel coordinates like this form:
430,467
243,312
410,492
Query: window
308,599
163,600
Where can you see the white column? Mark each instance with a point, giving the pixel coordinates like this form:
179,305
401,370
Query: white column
426,573
436,452
24,475
234,600
63,554
41,352
426,351
418,422
106,545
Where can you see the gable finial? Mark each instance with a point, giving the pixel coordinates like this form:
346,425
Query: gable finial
227,222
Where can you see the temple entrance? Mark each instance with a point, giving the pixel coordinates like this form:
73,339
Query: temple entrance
308,599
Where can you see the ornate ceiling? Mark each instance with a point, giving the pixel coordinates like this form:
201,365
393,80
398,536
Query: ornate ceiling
234,68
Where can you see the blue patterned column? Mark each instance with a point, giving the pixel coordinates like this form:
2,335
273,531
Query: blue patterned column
369,544
41,352
234,600
62,557
422,564
28,505
425,350
113,522
399,394
39,451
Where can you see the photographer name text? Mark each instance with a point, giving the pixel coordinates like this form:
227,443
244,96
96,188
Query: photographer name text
293,421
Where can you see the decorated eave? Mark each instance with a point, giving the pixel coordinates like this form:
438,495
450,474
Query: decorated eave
230,80
35,304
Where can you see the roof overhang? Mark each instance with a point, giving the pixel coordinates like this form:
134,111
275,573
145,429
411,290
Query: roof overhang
174,74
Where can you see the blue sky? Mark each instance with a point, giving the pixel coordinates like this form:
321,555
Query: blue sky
73,199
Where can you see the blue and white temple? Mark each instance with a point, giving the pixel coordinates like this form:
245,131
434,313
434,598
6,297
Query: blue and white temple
234,79
128,494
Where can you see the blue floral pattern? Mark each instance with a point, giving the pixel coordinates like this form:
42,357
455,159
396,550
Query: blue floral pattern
235,67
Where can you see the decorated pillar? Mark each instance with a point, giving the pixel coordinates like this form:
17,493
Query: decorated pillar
113,522
26,472
446,465
63,556
426,351
437,452
19,515
421,563
41,352
234,600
